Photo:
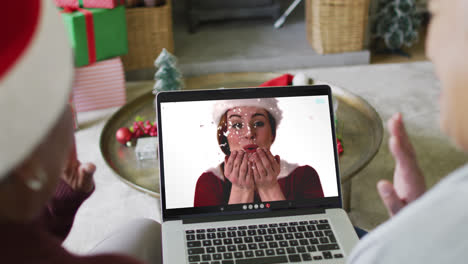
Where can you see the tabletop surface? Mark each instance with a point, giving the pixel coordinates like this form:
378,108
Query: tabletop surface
409,88
358,126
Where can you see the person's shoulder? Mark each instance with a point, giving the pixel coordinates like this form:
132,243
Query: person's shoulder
306,167
212,174
458,177
294,170
438,215
305,170
207,176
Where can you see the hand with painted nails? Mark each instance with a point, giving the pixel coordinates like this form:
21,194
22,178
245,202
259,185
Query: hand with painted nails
237,171
408,179
266,169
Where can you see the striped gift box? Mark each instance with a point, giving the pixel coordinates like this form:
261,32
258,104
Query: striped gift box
88,3
100,85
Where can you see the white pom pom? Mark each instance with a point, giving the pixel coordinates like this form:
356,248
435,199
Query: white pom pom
300,79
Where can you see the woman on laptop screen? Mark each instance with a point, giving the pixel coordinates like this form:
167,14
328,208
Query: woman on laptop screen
250,172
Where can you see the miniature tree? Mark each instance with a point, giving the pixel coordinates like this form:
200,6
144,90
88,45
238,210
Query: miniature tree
397,23
168,77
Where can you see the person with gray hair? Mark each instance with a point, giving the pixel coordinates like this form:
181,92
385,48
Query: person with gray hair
246,131
428,226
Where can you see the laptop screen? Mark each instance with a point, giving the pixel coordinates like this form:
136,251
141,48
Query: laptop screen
244,150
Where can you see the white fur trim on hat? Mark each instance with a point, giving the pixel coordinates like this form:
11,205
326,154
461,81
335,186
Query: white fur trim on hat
36,89
269,104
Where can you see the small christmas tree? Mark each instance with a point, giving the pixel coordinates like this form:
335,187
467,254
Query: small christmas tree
168,77
397,23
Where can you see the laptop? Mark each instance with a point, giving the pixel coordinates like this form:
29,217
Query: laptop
251,175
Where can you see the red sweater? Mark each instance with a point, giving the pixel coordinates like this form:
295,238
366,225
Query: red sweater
40,242
302,183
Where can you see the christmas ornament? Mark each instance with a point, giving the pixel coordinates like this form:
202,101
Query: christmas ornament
123,135
146,148
168,77
397,23
140,128
339,146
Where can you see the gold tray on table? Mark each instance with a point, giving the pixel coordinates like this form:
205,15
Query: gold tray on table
358,124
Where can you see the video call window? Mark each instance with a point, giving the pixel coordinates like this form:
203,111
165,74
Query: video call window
222,152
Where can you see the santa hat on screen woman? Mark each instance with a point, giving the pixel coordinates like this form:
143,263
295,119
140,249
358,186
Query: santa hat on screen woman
269,104
36,71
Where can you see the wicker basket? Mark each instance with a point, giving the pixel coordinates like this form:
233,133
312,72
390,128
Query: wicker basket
149,31
335,26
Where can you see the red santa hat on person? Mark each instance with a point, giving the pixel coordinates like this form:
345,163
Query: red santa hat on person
36,72
269,104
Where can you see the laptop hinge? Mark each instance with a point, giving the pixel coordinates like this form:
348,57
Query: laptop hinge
230,217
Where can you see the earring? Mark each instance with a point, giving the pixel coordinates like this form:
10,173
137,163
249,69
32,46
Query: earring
37,182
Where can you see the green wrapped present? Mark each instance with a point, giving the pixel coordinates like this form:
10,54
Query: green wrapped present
96,34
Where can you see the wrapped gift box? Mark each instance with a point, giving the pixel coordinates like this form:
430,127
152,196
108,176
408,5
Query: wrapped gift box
96,34
72,109
89,3
100,85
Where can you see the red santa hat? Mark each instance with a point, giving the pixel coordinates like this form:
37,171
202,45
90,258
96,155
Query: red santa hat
36,71
269,104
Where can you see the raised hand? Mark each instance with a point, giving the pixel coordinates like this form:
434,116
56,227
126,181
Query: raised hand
77,175
237,171
266,169
408,179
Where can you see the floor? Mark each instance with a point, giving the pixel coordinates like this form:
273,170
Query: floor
246,45
367,210
253,44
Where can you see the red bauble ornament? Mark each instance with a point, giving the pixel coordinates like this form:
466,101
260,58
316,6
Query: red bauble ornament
123,135
340,147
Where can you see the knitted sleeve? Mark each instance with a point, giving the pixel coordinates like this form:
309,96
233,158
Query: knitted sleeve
60,212
109,259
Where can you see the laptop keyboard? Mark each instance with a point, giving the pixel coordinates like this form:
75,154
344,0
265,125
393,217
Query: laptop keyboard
265,243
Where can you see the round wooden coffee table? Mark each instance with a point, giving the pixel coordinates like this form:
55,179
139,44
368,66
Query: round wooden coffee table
358,124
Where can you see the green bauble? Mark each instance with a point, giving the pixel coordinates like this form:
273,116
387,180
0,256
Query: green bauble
411,38
405,6
394,40
404,24
384,3
396,22
392,10
384,26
